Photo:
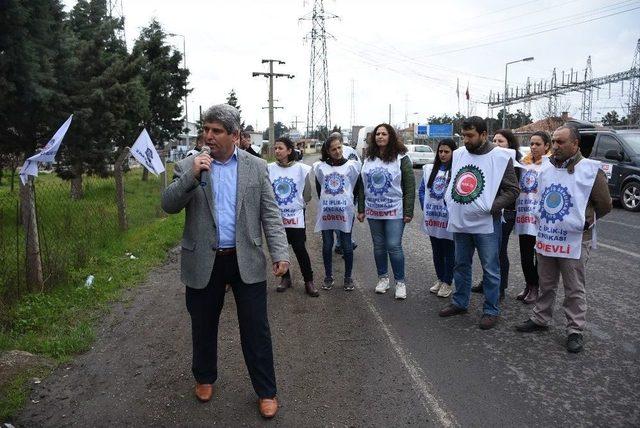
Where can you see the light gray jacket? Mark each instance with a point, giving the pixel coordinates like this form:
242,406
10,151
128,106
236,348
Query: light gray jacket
256,210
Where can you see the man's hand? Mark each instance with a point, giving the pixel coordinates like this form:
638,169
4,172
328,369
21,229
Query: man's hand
407,219
360,217
201,163
280,268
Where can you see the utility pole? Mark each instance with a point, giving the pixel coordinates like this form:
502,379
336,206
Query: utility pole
271,75
389,114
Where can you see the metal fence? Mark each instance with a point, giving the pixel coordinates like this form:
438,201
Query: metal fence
70,231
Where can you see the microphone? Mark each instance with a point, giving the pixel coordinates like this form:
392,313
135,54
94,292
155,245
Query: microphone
205,150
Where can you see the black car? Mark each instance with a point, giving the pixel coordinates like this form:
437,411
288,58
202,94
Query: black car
619,152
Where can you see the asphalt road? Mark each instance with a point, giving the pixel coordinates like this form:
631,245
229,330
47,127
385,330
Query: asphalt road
361,359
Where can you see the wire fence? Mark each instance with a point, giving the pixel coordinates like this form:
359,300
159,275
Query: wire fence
70,231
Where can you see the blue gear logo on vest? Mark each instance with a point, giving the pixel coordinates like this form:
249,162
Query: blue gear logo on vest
378,181
334,184
468,184
529,181
353,157
285,190
555,203
438,187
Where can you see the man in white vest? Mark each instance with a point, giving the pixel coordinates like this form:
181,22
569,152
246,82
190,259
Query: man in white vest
574,193
483,183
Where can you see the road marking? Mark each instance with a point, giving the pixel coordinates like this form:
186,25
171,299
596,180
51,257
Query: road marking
619,223
430,402
620,250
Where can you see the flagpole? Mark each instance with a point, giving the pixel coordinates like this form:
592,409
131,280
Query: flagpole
458,93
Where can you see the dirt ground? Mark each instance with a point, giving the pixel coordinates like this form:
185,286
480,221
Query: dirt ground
333,365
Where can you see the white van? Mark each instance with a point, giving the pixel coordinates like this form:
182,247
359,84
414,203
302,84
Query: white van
361,142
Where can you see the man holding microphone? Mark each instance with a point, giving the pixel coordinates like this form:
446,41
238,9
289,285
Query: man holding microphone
229,203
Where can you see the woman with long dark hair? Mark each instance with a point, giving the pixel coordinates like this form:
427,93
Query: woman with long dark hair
504,138
337,182
527,203
292,189
387,203
435,179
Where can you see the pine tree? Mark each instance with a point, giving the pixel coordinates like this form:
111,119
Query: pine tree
165,81
33,60
107,94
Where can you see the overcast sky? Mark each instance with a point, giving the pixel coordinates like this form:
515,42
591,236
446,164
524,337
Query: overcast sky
407,53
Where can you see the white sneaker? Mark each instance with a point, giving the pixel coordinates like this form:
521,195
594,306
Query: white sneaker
383,285
436,287
445,290
401,290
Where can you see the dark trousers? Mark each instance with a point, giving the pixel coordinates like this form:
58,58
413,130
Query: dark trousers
327,252
204,307
528,259
507,227
297,238
444,258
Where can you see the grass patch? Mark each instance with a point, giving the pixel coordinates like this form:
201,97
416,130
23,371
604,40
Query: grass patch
84,240
15,393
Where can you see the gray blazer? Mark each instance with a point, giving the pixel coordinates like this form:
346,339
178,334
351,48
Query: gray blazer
256,210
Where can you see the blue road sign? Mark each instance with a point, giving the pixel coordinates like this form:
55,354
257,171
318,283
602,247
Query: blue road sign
436,131
423,130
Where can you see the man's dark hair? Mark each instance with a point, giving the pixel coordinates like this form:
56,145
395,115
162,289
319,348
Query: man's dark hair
245,134
289,145
573,132
474,122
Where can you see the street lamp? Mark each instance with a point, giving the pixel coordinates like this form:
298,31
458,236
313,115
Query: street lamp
504,100
184,59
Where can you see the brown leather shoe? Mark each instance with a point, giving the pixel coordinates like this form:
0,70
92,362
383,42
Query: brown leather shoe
523,293
310,289
488,321
204,391
451,310
531,296
284,284
268,407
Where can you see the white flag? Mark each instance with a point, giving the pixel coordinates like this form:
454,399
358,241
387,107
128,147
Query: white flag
47,154
145,153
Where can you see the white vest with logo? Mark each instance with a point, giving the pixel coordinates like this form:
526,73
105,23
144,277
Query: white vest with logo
382,189
436,216
336,209
562,208
288,186
473,188
527,202
349,153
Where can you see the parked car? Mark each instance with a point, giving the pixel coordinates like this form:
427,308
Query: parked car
619,152
420,154
299,154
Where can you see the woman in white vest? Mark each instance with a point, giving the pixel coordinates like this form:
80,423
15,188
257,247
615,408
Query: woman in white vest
337,182
292,189
526,226
435,180
387,203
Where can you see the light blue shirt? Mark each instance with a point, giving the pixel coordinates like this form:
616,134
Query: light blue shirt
224,177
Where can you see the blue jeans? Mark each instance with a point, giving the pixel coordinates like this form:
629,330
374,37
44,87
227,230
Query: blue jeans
387,244
327,252
488,245
443,258
339,241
